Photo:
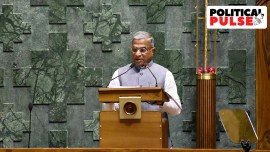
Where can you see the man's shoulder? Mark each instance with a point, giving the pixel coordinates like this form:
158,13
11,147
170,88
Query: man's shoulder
158,66
124,67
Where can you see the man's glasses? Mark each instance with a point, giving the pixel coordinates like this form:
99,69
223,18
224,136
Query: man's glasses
142,50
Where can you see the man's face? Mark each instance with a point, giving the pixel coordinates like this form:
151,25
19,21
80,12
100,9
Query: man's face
142,52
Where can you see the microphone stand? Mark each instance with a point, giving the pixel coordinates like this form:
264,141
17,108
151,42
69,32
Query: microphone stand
245,145
30,107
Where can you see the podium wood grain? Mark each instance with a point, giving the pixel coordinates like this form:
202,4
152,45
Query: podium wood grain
146,132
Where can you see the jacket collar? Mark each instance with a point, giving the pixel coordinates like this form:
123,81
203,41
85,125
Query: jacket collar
138,68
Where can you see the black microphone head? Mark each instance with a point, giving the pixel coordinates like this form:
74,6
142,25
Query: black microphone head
30,106
132,65
146,65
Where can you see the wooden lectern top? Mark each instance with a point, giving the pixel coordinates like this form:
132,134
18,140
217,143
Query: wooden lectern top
146,94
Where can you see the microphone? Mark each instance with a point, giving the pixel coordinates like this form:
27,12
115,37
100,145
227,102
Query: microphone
130,67
177,104
30,107
147,66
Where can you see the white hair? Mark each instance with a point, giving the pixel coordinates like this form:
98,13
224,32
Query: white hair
144,35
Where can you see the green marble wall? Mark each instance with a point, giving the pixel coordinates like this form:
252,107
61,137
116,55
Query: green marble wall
56,53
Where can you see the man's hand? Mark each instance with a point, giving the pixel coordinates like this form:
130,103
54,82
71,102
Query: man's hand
160,103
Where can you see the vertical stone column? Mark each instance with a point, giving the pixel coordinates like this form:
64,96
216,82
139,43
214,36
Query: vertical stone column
206,111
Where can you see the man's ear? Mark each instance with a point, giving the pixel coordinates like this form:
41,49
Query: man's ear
153,50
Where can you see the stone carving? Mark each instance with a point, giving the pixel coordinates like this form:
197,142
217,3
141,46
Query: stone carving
11,28
106,27
2,74
12,125
93,125
155,8
58,138
57,8
57,77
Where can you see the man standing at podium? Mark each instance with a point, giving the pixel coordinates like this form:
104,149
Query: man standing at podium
143,72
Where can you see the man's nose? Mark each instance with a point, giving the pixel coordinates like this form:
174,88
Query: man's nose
138,52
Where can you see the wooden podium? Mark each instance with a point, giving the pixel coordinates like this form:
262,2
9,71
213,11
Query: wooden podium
136,129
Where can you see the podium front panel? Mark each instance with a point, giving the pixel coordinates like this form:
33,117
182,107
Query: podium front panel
142,133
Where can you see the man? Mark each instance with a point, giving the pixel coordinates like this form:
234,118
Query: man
143,72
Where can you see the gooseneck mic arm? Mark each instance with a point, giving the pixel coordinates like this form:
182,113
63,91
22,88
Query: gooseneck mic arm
130,67
177,104
147,66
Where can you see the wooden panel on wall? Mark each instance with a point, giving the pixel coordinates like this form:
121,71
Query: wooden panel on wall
263,82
